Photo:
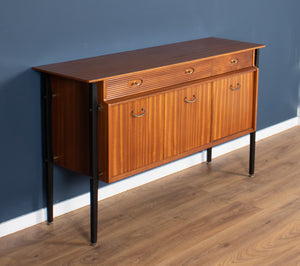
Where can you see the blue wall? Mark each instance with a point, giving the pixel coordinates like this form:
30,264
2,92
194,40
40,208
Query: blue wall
35,32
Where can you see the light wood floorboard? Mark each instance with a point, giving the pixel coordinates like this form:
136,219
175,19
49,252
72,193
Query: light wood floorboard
209,214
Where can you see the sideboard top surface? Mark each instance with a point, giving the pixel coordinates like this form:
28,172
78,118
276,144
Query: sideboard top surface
98,68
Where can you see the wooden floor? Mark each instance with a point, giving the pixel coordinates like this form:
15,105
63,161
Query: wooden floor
206,215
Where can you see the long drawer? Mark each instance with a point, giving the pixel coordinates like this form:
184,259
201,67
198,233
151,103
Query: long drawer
167,76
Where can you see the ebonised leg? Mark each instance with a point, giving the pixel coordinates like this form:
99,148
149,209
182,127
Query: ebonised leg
253,135
93,108
252,154
48,175
47,143
94,209
208,155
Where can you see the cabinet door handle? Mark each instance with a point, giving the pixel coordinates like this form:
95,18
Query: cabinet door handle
140,115
136,82
237,88
191,101
234,61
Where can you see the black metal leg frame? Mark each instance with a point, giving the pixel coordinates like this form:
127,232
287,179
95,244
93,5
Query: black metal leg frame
48,153
47,144
251,155
208,155
93,105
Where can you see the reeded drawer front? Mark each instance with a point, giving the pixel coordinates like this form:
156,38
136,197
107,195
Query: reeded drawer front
156,78
172,75
232,62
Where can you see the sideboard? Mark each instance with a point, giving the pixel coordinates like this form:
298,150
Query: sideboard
113,116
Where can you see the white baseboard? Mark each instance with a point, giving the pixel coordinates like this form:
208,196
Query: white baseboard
298,109
60,208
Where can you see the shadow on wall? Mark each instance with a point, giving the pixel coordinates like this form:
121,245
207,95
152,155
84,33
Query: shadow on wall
21,149
298,111
20,154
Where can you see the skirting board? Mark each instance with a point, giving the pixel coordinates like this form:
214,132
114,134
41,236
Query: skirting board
60,208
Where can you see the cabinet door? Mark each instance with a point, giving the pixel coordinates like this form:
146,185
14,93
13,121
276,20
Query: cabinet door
135,134
233,101
188,118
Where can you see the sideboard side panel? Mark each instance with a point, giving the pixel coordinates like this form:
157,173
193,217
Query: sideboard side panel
70,128
255,98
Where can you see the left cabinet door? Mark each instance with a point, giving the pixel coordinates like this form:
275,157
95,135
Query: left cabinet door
135,134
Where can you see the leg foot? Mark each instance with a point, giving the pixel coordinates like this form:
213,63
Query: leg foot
208,155
252,154
94,210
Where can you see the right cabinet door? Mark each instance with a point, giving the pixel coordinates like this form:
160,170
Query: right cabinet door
232,105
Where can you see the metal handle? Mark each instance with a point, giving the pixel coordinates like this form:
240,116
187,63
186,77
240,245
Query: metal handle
134,115
191,101
136,82
234,61
237,88
189,71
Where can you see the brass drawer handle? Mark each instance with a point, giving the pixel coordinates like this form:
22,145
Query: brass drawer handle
136,82
191,101
140,115
189,71
234,61
237,88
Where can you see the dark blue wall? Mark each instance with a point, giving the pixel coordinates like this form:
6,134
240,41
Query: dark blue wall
35,32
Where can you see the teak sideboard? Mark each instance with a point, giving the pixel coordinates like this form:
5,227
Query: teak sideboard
113,116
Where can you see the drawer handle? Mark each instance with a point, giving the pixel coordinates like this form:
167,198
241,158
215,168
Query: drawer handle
191,101
234,61
237,88
140,115
136,82
189,71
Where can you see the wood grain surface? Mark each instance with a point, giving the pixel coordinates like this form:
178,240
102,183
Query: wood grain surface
102,67
135,142
205,215
171,75
70,123
170,129
187,124
232,105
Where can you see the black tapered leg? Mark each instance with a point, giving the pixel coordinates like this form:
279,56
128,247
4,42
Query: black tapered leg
93,108
94,209
252,154
208,155
47,143
253,135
